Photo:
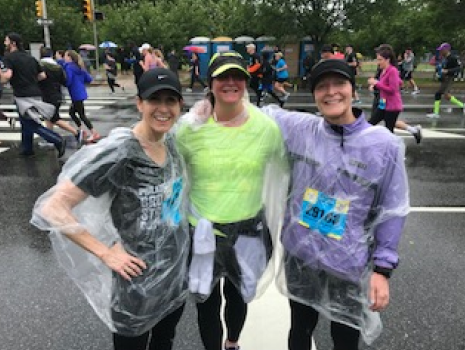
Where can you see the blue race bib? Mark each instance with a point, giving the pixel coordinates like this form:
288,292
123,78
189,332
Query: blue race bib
171,205
324,214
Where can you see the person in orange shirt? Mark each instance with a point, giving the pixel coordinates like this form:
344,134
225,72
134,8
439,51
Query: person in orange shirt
254,69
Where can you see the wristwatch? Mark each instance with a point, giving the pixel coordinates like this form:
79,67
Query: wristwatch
385,271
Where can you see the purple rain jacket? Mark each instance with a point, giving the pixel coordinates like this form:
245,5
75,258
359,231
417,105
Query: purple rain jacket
348,194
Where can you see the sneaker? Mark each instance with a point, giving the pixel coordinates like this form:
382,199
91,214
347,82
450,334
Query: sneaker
206,89
417,135
80,138
61,148
286,96
27,154
281,103
45,144
433,116
188,90
94,137
415,92
357,102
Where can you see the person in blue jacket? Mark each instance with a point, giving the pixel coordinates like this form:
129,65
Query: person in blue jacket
76,79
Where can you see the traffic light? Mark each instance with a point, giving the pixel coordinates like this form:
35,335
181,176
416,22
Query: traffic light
39,9
87,10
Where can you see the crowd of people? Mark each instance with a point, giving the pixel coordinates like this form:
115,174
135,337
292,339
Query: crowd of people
196,205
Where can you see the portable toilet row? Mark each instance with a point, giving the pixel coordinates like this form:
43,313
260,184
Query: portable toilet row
294,54
224,43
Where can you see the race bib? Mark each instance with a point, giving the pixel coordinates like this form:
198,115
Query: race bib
382,103
171,205
324,214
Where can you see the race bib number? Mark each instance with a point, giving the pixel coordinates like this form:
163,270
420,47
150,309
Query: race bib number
171,205
324,214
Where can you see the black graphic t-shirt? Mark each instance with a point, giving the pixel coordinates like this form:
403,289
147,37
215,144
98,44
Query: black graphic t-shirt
148,212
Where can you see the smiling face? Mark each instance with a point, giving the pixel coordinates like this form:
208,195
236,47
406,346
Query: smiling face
229,87
333,97
160,111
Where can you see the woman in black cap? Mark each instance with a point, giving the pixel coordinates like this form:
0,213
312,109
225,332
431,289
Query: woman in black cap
118,225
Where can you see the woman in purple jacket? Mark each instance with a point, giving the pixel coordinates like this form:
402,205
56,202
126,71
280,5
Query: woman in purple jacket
348,199
389,83
76,79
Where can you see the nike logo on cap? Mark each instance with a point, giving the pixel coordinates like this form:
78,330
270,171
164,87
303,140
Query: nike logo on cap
160,77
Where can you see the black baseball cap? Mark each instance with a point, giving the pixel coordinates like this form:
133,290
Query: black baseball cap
155,80
331,65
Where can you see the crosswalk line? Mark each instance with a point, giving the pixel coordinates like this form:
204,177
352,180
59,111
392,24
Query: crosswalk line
65,107
433,134
12,133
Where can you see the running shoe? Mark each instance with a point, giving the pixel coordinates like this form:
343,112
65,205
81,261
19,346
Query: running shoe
415,92
188,90
45,144
61,148
80,138
27,154
286,96
417,135
206,89
433,116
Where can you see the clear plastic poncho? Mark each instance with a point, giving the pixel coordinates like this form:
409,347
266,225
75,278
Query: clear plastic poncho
127,199
238,180
346,209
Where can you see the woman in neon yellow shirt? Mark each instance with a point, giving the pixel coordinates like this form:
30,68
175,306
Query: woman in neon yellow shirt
227,156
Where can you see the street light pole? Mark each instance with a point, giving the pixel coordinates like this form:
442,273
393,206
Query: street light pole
94,27
46,25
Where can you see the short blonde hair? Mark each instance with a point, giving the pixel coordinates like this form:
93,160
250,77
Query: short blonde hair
279,54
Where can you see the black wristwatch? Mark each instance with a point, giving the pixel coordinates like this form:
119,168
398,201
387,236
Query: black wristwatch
386,272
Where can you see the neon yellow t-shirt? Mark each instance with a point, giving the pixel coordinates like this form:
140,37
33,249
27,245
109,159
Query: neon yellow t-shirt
226,165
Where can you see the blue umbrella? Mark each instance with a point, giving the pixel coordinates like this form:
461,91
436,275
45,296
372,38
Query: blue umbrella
107,45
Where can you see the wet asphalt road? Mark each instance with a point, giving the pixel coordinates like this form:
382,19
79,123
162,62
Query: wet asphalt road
41,309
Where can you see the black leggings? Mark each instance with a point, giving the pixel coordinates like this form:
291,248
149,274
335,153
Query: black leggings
112,83
303,322
78,107
389,118
195,78
208,313
159,338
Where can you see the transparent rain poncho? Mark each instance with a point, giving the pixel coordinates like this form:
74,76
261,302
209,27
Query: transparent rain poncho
238,185
129,200
347,205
